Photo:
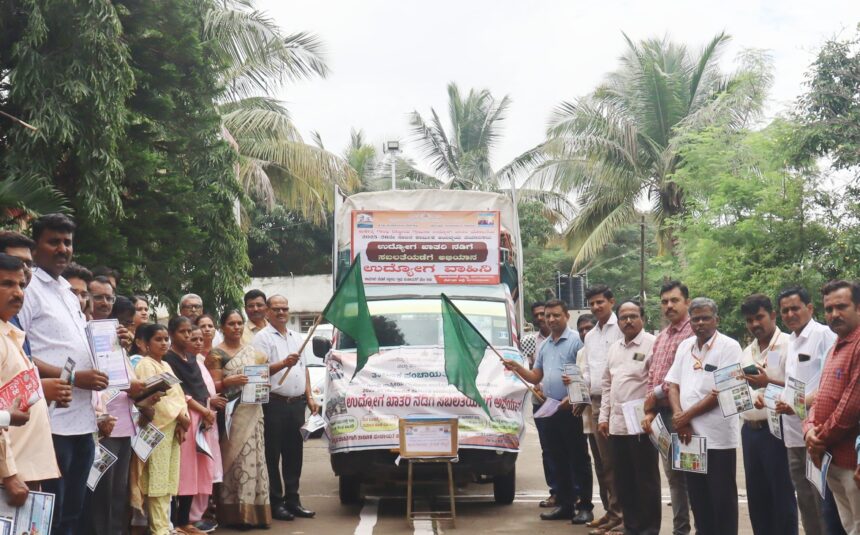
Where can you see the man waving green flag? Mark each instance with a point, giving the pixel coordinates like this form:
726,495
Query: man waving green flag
464,350
347,311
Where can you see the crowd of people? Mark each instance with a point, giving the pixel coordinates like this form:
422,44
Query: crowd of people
250,473
672,372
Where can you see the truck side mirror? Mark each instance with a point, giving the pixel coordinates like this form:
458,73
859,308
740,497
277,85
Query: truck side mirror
322,346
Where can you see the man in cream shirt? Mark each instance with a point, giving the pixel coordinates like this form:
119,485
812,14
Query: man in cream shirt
772,505
807,348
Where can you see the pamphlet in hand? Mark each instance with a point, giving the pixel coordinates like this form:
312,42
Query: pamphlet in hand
202,442
228,415
772,394
577,390
103,460
734,392
312,425
634,413
549,407
25,386
109,355
34,517
818,477
692,457
660,436
145,441
795,395
157,383
65,375
258,386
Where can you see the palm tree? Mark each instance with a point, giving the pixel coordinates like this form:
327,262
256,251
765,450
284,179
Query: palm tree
374,173
275,164
29,195
617,147
461,157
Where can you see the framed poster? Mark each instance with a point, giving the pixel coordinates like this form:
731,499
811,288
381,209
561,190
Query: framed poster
428,437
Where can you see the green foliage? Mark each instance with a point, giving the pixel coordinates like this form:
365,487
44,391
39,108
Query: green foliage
831,107
281,242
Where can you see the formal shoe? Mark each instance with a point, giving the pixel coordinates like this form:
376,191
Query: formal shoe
559,513
280,512
599,523
206,526
299,511
549,502
583,517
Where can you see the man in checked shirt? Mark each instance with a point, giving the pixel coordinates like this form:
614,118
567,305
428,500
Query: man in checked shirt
674,301
831,424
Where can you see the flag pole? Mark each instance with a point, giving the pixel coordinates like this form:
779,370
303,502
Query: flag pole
534,392
305,343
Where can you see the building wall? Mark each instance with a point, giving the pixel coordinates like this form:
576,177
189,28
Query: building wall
307,295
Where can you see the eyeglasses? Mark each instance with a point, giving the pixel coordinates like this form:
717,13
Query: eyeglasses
104,299
192,307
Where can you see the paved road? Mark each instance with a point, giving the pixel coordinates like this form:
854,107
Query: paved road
384,511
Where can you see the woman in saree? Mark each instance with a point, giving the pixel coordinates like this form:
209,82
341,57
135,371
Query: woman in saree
244,498
157,479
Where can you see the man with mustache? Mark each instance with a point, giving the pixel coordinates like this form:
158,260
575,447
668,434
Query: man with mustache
807,348
772,505
26,452
56,327
696,411
832,422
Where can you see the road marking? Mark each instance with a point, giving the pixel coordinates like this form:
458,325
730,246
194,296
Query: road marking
367,517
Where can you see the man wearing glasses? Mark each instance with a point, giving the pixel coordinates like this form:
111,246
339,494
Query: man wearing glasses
191,306
102,295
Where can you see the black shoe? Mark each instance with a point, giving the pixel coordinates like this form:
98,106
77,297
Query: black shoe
280,512
559,513
583,517
299,511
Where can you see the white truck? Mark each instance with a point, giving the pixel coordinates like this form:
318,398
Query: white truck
414,246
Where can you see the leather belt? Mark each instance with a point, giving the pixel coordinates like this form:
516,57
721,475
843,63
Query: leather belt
288,399
755,424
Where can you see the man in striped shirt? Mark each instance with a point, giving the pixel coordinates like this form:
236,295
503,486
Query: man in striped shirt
674,301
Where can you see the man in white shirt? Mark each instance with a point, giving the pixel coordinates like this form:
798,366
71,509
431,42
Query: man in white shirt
696,411
636,469
285,413
597,343
807,348
772,505
55,326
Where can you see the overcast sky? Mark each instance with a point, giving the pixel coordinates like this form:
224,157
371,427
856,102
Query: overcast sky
390,58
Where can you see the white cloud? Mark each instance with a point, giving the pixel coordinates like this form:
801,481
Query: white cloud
389,58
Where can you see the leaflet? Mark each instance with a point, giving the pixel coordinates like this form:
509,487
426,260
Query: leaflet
692,457
258,386
312,425
816,476
34,517
228,415
577,390
146,440
795,395
549,407
109,355
774,423
25,386
65,375
202,442
660,436
734,396
634,413
103,460
772,395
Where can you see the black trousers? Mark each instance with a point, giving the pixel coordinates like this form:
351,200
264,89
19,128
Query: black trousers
75,458
569,451
714,496
772,504
284,448
548,466
106,510
636,478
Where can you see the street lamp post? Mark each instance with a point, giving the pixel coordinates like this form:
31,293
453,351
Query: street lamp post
392,148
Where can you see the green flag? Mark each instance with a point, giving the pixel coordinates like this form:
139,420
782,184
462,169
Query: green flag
464,350
348,311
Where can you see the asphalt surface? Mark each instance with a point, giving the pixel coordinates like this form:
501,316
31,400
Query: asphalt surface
384,509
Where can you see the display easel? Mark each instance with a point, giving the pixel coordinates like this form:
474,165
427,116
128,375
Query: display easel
429,441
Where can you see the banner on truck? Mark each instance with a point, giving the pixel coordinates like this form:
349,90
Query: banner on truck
410,382
427,247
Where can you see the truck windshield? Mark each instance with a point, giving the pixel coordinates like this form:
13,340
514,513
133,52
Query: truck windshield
418,322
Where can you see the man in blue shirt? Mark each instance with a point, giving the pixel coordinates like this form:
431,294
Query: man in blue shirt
567,444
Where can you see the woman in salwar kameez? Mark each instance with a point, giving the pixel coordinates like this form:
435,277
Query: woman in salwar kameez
244,499
158,478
